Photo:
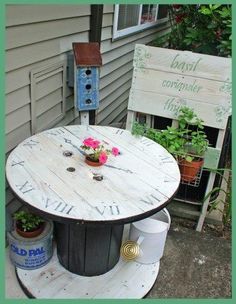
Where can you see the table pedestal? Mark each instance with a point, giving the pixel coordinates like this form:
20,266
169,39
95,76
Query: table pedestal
88,249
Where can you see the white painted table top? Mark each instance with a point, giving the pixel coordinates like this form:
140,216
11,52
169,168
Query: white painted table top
136,183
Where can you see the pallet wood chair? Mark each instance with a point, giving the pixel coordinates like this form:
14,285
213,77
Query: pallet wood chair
164,80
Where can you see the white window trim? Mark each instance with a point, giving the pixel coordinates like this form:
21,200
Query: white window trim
133,29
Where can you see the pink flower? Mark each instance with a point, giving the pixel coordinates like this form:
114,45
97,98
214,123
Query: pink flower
88,142
115,151
95,144
102,157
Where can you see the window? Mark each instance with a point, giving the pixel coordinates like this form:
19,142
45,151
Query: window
131,18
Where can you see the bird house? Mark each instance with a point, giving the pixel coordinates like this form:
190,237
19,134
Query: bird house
87,60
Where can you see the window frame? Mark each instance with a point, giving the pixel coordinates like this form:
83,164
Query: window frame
117,34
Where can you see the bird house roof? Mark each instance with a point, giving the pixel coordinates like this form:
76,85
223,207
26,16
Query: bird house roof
87,54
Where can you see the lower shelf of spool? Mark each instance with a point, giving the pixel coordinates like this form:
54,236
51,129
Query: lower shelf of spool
127,280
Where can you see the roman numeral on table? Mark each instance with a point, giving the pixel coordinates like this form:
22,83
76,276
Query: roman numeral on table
20,163
56,132
146,142
108,209
31,143
26,187
59,206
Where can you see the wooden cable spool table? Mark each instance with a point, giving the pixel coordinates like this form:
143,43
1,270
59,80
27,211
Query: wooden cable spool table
47,172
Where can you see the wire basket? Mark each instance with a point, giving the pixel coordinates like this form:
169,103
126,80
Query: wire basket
191,172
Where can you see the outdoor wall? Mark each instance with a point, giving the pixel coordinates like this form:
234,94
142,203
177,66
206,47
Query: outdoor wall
37,36
117,69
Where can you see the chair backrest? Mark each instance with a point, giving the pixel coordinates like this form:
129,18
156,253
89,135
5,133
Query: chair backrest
164,80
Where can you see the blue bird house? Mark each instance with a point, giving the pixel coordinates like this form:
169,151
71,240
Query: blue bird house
87,59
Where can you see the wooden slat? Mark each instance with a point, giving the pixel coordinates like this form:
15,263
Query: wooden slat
33,33
211,158
22,14
176,85
199,65
116,115
212,114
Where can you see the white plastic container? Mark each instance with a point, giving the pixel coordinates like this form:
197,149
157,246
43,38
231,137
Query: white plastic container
151,234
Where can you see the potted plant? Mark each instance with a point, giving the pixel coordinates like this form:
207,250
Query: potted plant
187,143
95,153
28,224
192,158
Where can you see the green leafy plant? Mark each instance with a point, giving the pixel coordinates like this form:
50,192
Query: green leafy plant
226,189
203,29
27,221
181,142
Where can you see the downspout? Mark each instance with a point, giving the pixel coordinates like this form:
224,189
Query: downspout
95,35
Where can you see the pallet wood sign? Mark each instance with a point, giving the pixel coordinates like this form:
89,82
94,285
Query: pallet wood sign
164,80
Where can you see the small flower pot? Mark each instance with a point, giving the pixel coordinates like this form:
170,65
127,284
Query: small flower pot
189,170
29,234
92,163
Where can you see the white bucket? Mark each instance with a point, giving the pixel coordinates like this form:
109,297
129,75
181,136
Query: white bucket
151,234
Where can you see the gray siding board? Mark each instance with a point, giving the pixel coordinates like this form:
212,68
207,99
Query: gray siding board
107,45
17,99
116,74
106,33
21,97
34,33
19,78
17,119
49,115
116,115
48,101
113,65
107,20
17,135
106,102
112,107
114,85
25,55
48,85
23,14
108,8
